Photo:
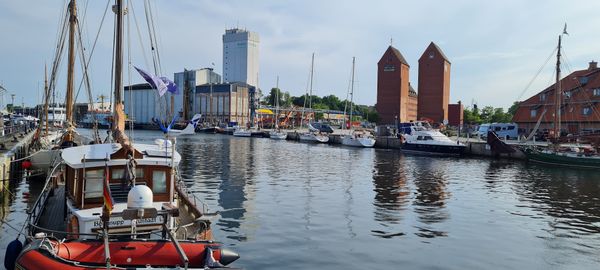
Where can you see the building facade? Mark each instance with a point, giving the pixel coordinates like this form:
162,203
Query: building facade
580,109
434,85
187,81
393,88
224,103
456,114
240,56
142,104
413,103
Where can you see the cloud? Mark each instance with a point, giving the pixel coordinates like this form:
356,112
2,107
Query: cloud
494,47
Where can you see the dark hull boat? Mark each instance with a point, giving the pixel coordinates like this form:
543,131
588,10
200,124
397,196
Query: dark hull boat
435,149
568,159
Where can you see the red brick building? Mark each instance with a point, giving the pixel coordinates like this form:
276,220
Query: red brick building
413,102
393,87
580,110
434,85
455,114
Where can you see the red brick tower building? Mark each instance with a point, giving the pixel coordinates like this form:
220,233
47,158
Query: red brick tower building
434,85
392,87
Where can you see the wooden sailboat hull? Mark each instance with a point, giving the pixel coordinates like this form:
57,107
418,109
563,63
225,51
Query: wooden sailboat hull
563,159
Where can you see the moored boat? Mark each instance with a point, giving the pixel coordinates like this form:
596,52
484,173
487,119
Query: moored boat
117,205
558,152
419,137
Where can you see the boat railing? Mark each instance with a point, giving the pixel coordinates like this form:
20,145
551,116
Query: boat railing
34,213
191,196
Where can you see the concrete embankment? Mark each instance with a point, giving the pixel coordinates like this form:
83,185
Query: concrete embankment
14,148
474,147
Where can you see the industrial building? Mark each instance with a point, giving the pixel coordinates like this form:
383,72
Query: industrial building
225,102
187,81
393,91
142,104
240,56
434,85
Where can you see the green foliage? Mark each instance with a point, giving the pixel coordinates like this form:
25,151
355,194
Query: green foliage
330,102
489,114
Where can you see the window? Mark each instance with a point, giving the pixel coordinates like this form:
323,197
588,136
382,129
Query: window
533,113
511,127
568,94
93,183
587,111
596,92
543,97
139,172
117,173
159,181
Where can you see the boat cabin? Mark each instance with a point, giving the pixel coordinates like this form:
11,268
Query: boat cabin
88,166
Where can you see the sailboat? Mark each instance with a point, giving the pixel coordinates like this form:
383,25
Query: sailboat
359,138
277,133
121,205
557,153
313,134
189,129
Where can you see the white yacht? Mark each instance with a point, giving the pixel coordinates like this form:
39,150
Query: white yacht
420,137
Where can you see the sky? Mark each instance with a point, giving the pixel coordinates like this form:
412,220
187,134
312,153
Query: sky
495,47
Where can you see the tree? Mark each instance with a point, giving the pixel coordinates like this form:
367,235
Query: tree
513,109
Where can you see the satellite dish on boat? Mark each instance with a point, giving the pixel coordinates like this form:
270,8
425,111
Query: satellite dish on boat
139,197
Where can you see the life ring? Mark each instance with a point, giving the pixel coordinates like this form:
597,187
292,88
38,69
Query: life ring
73,228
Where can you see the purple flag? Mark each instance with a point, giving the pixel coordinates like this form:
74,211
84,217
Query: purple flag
171,86
154,81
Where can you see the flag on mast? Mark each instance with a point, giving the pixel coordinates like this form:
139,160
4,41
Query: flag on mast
162,84
109,203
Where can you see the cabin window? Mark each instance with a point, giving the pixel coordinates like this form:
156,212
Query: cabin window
93,183
533,113
587,111
596,92
511,127
139,172
159,181
117,173
543,97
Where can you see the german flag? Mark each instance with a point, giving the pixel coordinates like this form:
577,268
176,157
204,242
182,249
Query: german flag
108,200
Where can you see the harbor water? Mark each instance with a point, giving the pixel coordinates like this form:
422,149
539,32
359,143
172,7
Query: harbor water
292,205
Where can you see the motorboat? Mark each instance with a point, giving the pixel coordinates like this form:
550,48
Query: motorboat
420,137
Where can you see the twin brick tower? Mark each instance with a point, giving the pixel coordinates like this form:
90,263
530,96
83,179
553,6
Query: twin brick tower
398,102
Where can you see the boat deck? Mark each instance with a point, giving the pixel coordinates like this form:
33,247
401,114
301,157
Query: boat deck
53,217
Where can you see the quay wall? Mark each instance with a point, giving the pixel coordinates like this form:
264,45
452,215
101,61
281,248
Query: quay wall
474,148
18,149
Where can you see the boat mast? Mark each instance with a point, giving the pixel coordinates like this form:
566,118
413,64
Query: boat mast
352,93
70,70
277,103
46,96
118,127
558,94
312,66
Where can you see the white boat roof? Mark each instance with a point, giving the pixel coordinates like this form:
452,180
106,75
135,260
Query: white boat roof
97,155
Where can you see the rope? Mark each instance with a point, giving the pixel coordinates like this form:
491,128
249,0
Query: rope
537,74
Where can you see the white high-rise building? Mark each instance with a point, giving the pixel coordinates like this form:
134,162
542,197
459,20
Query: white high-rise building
240,56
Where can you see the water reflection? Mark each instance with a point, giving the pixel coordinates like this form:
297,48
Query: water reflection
391,191
225,168
431,183
571,197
